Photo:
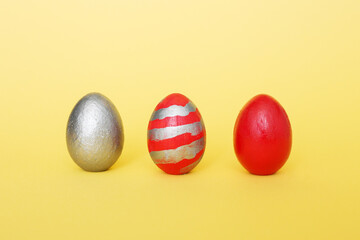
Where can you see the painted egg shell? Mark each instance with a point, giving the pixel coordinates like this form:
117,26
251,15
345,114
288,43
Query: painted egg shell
176,135
94,134
262,136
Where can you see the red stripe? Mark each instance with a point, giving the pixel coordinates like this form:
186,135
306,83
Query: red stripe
174,168
173,99
175,121
174,142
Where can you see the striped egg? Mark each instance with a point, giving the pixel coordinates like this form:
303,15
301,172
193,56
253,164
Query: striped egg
176,135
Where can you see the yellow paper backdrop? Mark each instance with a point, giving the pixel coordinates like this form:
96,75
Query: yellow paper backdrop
220,54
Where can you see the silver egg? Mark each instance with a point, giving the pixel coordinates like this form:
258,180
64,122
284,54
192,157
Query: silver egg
94,133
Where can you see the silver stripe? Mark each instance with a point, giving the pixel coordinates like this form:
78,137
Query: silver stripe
190,166
158,134
173,111
176,155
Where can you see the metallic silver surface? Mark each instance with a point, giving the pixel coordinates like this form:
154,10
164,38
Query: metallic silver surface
158,134
94,133
189,167
173,111
188,151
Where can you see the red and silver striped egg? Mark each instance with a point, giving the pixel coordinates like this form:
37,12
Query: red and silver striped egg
176,135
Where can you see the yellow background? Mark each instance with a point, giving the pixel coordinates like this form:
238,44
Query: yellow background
220,54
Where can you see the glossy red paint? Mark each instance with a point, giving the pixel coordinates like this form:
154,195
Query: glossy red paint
174,121
187,164
262,136
176,131
174,142
173,99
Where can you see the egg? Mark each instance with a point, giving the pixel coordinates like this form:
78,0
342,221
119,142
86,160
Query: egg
176,135
94,133
262,136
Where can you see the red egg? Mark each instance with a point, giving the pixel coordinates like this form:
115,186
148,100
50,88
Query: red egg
262,136
176,135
